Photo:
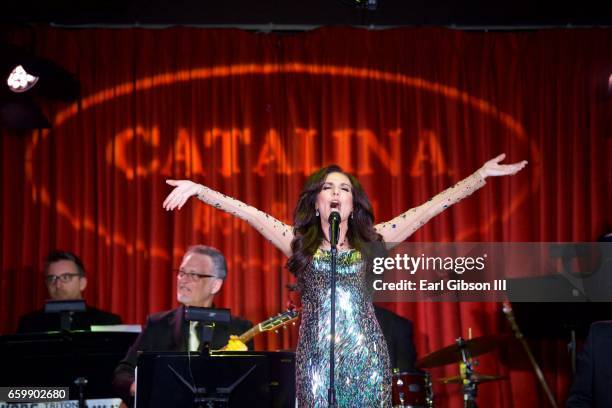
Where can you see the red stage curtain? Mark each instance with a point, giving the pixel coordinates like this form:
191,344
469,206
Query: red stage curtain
409,111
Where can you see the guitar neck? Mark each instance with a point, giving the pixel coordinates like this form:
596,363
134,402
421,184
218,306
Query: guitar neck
249,334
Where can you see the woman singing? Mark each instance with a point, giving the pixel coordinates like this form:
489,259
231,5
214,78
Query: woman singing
362,372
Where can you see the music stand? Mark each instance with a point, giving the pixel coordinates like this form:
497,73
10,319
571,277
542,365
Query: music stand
66,310
185,380
57,359
208,317
282,375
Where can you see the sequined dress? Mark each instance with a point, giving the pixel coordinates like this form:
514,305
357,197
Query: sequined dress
363,376
362,361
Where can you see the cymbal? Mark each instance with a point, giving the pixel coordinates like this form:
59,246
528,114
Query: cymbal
477,378
452,354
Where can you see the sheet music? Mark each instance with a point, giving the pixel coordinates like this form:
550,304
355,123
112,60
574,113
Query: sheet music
120,328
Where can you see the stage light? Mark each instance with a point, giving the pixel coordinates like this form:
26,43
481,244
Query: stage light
31,82
20,81
52,80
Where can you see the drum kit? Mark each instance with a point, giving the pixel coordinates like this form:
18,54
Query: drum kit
415,389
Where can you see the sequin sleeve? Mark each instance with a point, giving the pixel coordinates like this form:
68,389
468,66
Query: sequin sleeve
275,231
405,224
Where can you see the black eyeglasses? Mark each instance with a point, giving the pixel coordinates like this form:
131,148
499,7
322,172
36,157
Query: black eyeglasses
64,278
190,276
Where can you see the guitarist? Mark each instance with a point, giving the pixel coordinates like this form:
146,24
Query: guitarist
199,279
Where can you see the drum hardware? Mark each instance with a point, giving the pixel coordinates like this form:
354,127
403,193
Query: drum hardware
463,352
477,378
454,353
469,386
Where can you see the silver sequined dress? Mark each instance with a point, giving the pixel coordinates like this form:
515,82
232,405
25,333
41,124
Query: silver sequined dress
363,376
362,362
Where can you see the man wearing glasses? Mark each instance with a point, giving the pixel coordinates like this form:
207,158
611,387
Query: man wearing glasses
198,279
65,280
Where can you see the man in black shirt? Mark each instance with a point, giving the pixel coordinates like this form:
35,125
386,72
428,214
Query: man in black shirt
65,280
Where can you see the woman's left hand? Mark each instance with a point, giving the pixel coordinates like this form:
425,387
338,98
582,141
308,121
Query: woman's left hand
493,168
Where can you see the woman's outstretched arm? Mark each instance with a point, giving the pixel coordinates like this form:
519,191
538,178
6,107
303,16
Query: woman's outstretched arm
275,231
405,224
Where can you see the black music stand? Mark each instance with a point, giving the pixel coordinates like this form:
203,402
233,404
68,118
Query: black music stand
57,359
282,375
207,317
66,310
185,380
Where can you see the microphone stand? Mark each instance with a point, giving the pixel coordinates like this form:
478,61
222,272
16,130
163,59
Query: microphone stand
331,392
469,387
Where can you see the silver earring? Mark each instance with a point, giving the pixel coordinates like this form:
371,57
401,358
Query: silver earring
317,212
351,216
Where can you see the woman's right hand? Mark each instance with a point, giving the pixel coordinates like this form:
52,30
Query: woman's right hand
183,189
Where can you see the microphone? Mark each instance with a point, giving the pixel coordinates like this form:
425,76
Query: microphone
334,228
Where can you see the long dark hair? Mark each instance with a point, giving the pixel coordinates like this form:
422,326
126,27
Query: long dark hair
307,226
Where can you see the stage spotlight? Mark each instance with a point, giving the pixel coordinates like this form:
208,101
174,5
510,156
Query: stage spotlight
53,81
20,81
31,83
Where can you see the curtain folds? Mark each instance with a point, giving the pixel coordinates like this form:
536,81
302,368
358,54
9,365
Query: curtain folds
408,111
